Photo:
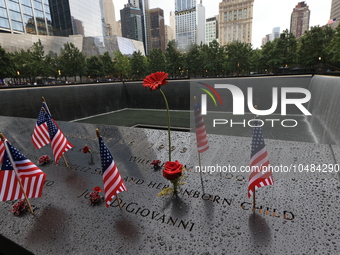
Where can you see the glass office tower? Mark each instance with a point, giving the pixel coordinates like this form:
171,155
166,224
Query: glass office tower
25,17
185,13
77,17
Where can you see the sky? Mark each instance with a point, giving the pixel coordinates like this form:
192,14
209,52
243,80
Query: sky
267,14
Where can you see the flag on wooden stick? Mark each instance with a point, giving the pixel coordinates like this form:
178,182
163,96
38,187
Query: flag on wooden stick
113,182
261,174
40,136
201,133
59,142
30,176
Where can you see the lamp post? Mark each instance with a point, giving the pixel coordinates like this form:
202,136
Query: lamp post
18,73
320,64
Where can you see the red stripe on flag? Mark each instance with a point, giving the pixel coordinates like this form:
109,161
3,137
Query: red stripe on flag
40,136
60,145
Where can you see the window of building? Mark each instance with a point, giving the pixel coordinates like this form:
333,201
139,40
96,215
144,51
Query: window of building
39,14
26,2
17,26
27,10
245,13
13,6
230,15
240,14
4,23
235,15
15,16
3,13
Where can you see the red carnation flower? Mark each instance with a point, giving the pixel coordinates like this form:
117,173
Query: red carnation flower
155,163
44,159
172,170
86,149
155,80
97,189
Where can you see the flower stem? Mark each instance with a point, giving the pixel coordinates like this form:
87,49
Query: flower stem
168,114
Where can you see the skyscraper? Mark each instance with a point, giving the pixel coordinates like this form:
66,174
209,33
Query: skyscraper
25,17
275,33
185,12
131,18
335,9
173,24
265,39
143,6
211,29
334,18
299,21
157,33
235,21
200,24
110,18
169,35
73,17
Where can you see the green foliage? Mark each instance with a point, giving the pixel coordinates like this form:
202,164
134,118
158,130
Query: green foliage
53,64
139,65
122,65
37,63
7,66
156,61
313,44
73,61
238,55
317,48
108,66
173,60
193,62
333,49
94,67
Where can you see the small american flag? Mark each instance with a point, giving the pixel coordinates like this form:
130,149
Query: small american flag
32,178
259,176
113,182
59,142
40,136
201,134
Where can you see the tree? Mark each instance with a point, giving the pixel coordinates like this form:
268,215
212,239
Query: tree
139,65
22,63
216,58
193,62
94,67
37,63
313,44
122,65
333,49
156,61
173,59
108,66
238,57
81,67
53,64
7,65
267,59
72,59
255,64
286,49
